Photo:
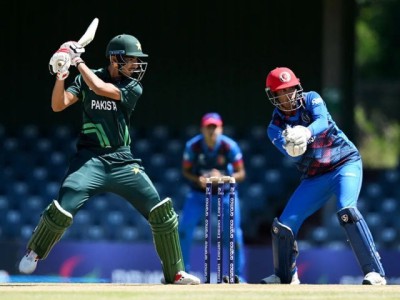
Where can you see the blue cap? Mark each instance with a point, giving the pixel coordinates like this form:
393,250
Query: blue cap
211,118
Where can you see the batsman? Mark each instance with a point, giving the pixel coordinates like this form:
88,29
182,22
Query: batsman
104,162
331,166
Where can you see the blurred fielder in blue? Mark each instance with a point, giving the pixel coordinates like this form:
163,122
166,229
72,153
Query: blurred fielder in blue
302,128
211,153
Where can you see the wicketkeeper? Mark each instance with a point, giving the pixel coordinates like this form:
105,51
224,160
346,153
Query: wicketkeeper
302,128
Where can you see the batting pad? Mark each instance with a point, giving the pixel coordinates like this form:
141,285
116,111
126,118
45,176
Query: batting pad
164,224
52,225
361,240
284,250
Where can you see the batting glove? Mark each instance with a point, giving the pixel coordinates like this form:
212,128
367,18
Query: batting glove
75,50
62,75
60,62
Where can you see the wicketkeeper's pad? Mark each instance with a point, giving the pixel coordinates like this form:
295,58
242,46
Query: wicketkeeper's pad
285,251
360,239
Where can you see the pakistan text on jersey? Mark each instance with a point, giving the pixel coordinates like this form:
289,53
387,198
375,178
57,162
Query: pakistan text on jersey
103,105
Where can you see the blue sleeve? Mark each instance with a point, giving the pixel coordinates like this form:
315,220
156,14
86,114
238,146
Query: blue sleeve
319,112
235,154
275,135
188,153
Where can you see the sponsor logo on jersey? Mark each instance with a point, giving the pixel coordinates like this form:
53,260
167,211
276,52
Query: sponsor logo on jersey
316,101
350,174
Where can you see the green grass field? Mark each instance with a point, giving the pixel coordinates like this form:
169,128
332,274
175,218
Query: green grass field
86,291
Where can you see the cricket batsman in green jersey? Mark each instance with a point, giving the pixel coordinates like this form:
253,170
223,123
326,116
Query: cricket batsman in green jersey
104,161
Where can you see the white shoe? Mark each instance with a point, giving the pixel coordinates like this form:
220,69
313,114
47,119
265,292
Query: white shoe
373,278
29,262
184,278
273,279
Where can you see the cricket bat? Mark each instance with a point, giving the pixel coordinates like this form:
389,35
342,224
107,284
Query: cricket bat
87,37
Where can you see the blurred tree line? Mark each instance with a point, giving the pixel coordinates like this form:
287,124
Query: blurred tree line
377,90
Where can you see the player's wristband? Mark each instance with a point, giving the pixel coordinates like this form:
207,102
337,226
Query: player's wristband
79,62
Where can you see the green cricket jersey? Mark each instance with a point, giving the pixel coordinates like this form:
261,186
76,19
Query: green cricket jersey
106,121
104,162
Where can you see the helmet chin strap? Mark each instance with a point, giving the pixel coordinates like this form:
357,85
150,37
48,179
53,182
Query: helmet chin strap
120,63
293,99
120,66
139,72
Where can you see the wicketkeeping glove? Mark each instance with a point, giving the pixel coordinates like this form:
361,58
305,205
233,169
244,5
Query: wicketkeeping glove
298,134
296,139
295,150
75,50
59,63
